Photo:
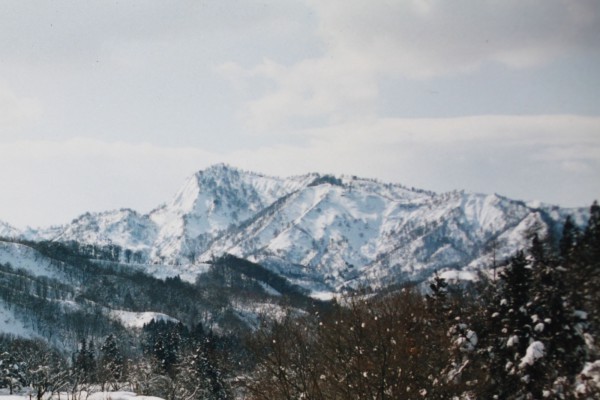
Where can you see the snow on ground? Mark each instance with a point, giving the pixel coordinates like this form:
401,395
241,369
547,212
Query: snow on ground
91,396
9,324
457,276
118,396
252,313
131,319
21,256
534,352
588,381
322,295
187,272
125,228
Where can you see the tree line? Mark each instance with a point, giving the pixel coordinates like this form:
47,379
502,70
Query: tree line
168,360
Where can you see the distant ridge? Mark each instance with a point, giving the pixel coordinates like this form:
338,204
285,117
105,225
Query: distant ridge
322,232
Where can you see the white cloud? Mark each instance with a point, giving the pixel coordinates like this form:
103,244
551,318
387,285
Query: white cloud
523,157
576,166
515,156
16,111
68,32
419,39
322,90
429,37
144,70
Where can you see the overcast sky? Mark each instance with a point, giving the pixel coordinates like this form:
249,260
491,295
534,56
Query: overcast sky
109,104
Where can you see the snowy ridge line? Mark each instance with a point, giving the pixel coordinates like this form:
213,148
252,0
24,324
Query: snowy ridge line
335,231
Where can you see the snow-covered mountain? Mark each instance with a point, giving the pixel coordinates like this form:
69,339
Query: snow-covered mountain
210,203
320,231
125,228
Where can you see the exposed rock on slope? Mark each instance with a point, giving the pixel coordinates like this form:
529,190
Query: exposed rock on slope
320,231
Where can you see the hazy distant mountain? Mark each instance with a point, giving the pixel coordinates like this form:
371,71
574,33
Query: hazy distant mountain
8,231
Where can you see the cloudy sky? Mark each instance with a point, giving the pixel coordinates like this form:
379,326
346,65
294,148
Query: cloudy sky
109,104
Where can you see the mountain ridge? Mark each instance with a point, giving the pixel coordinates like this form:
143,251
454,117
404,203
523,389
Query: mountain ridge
318,230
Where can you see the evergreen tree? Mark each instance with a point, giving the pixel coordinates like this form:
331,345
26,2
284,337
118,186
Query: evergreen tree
555,322
163,342
112,363
437,298
568,240
588,260
91,364
9,371
535,340
511,330
84,364
592,230
202,372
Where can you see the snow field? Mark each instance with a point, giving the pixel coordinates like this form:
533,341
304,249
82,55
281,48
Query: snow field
84,395
23,257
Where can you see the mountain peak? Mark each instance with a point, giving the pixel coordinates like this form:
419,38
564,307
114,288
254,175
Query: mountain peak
220,168
320,229
228,171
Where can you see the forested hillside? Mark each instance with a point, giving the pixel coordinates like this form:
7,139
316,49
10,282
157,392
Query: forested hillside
527,328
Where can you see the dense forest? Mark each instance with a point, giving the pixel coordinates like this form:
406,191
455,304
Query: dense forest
526,329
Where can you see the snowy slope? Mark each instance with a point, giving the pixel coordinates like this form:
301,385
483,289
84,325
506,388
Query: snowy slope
357,230
90,396
125,228
327,228
320,231
8,231
209,203
130,319
23,257
9,324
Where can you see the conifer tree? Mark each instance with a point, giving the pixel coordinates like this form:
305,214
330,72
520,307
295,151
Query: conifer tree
554,320
437,298
112,363
9,371
568,240
588,260
84,364
207,372
511,330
